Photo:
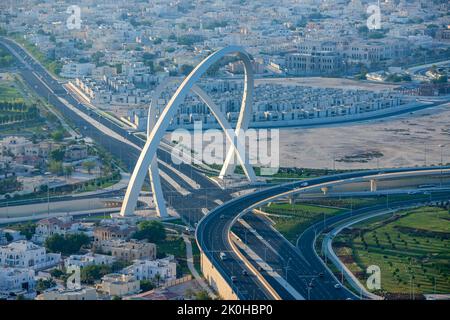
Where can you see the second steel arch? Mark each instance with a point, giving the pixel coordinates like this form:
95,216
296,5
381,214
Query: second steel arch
160,127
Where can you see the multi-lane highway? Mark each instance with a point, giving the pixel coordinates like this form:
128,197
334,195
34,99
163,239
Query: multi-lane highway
212,231
212,236
190,207
52,91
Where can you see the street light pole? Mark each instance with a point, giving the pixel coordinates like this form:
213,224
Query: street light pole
441,146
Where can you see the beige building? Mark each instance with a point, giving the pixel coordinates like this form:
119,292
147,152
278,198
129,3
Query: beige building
129,250
107,233
116,284
81,294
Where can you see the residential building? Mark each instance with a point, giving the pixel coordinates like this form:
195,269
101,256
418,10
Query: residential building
76,152
129,250
16,281
51,226
75,70
116,284
88,260
313,63
3,239
114,232
15,234
86,293
162,269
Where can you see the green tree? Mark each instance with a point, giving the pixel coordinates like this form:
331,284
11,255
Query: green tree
44,284
56,167
58,154
9,237
27,229
58,135
90,274
68,171
185,69
152,231
57,273
202,295
68,244
88,165
146,285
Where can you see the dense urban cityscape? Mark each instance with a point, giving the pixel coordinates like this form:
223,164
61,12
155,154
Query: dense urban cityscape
224,150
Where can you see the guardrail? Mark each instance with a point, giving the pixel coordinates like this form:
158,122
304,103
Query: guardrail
291,188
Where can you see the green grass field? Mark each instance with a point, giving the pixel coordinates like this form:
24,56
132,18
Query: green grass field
412,249
9,92
292,220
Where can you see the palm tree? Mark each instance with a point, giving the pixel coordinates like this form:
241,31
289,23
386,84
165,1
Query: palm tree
158,279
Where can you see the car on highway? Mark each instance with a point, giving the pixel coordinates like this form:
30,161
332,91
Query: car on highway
223,256
321,274
304,184
337,286
244,273
233,279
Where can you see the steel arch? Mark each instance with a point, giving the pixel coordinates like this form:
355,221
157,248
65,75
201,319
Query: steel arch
148,153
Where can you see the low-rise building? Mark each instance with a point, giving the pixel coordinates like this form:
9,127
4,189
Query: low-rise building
16,281
116,284
76,152
3,239
86,293
129,250
48,227
115,232
89,259
25,254
75,70
162,270
15,234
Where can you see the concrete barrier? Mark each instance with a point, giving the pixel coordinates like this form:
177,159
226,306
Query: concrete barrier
216,280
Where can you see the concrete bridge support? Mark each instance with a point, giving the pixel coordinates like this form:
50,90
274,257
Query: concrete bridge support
373,185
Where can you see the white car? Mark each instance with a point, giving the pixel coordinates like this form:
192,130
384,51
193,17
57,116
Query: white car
304,184
337,286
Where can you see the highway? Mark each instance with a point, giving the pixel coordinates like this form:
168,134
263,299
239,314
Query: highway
212,231
52,91
190,207
307,239
212,237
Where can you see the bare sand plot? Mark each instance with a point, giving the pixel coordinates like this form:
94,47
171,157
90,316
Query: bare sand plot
335,83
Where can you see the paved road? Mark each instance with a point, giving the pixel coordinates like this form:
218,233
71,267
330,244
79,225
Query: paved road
211,235
190,207
50,89
305,242
212,238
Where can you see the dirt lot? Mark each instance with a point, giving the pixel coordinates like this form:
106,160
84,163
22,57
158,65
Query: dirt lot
396,141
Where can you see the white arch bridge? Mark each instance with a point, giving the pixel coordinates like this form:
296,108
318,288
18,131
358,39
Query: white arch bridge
155,131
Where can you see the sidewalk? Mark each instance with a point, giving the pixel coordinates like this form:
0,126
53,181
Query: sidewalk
190,263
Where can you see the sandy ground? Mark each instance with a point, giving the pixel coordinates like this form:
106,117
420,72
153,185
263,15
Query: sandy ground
397,141
337,83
